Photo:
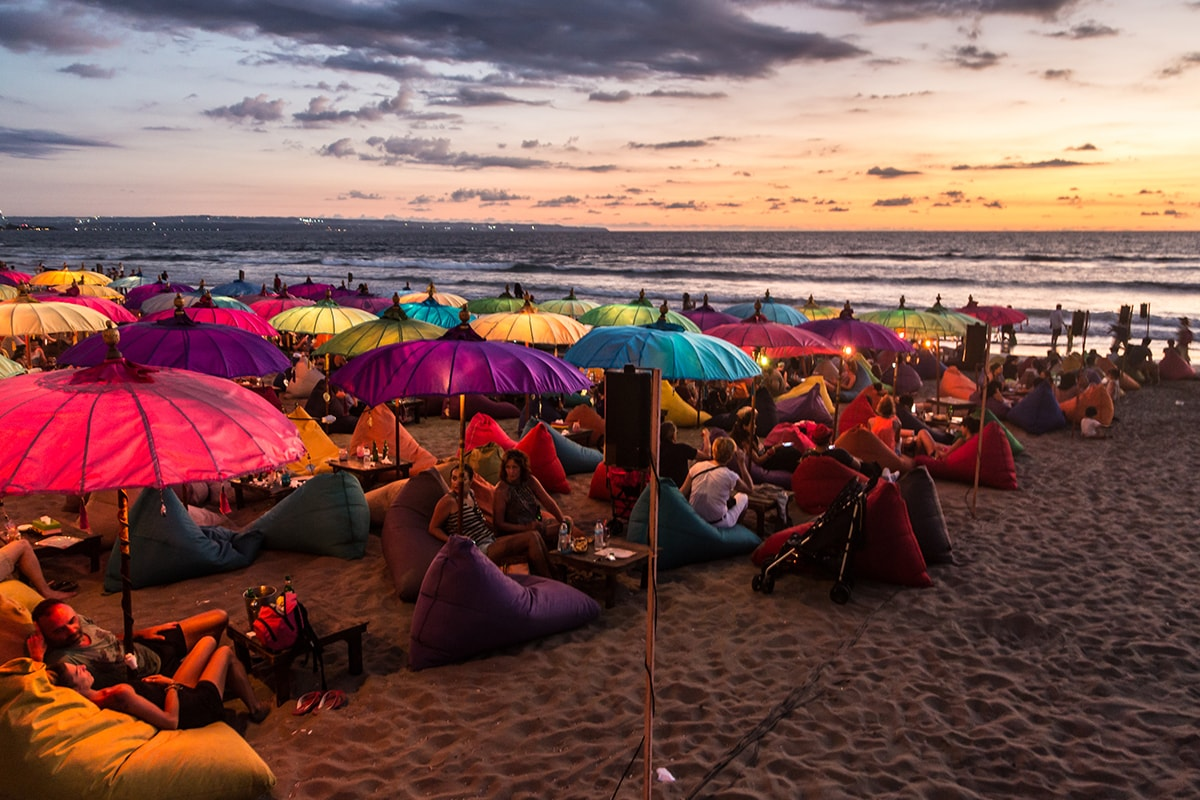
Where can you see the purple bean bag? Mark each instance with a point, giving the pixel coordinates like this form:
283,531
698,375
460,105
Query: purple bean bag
408,548
467,606
907,380
1038,412
808,406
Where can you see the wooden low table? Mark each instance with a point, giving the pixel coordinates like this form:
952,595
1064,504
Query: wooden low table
368,476
274,492
90,545
410,410
258,659
590,562
765,506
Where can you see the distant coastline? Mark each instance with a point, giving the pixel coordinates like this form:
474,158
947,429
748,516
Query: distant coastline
212,222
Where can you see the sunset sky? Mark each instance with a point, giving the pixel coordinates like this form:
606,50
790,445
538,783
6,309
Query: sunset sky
661,114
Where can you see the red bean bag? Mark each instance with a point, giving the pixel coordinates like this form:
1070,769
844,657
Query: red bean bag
538,444
890,551
483,429
858,412
789,432
598,489
817,481
1174,368
997,468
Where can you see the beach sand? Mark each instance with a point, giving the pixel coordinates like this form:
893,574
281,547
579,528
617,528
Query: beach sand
1058,657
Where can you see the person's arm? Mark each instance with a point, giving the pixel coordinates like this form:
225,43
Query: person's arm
153,633
441,512
686,489
123,698
546,500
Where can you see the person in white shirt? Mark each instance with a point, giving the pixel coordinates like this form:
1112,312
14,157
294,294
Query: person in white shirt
1056,325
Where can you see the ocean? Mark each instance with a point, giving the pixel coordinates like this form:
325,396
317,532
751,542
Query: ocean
1093,272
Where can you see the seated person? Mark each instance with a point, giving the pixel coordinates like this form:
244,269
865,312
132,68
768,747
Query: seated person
340,406
1090,426
64,635
527,545
924,444
885,424
673,456
193,698
18,559
718,494
520,498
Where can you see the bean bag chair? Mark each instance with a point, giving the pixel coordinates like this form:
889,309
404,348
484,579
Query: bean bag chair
408,549
1076,408
684,537
1038,411
813,383
925,515
380,499
866,446
598,488
787,432
58,744
805,407
819,478
102,513
679,411
956,384
776,477
858,412
320,449
997,468
17,601
482,404
863,380
467,606
889,553
538,444
327,516
169,547
1174,368
927,365
574,457
486,461
306,380
905,381
377,426
482,429
1013,442
588,419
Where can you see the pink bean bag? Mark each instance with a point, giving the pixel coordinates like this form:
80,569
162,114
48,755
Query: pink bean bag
483,429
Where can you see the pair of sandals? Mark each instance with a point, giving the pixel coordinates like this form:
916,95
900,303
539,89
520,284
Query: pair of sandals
64,586
320,701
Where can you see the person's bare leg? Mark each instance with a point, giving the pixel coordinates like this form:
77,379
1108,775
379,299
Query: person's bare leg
196,662
21,553
206,623
228,675
516,546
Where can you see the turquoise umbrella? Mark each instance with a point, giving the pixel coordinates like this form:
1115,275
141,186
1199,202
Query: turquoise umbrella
773,311
680,355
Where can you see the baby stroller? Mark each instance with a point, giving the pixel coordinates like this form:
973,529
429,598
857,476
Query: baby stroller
625,486
827,544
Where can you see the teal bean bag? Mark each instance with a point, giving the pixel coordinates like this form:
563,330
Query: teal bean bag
684,537
574,457
327,516
166,545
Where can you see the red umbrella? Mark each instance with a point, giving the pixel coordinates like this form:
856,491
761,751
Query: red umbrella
996,316
246,320
121,425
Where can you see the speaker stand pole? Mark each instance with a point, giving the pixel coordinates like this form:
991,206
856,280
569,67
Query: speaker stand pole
651,579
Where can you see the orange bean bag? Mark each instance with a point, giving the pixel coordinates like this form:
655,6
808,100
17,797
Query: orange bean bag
378,425
1095,395
956,384
588,418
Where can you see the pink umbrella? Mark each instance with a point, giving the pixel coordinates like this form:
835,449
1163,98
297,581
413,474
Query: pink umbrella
121,425
996,316
14,278
705,316
757,334
267,304
117,313
246,320
310,290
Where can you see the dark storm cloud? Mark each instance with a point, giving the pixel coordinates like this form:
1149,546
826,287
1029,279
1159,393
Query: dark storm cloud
890,172
1054,163
595,38
29,143
256,109
88,71
894,202
24,29
891,10
1086,30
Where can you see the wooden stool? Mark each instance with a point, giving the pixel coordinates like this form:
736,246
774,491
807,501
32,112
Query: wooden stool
258,659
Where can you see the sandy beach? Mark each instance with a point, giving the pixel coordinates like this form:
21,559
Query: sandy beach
1058,657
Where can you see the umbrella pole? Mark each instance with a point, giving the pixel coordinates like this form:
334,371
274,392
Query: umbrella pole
987,352
126,581
462,439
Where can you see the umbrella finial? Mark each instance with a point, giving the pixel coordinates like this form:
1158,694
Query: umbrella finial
641,295
528,307
111,337
571,294
506,292
706,298
179,314
464,316
847,311
241,274
758,307
431,289
767,297
662,312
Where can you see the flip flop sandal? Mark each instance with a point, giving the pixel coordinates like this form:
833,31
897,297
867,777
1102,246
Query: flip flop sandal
64,586
307,702
333,699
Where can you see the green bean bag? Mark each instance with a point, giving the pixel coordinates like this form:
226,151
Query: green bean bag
684,537
574,457
327,516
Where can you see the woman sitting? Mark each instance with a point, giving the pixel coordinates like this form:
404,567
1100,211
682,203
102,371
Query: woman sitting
520,498
527,546
885,424
193,698
718,494
751,449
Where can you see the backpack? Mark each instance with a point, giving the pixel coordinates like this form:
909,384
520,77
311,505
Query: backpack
281,629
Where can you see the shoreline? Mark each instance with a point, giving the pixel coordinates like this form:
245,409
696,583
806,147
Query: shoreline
1056,657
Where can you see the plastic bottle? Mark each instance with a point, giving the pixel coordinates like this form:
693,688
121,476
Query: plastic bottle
287,584
598,537
564,538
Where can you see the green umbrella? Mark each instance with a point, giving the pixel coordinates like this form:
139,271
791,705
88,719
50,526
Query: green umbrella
916,325
324,316
392,326
569,306
639,312
496,305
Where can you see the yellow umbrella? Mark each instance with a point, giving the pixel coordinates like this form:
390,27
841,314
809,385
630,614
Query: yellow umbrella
324,316
441,298
7,292
25,316
90,290
67,276
530,326
814,311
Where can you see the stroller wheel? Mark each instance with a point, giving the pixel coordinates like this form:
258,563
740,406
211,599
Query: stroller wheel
840,593
768,584
756,583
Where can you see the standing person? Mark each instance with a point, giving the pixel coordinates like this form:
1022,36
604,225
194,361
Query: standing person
1056,325
64,635
1183,338
192,698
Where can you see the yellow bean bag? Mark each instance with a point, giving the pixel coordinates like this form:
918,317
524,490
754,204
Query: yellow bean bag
17,599
57,744
319,446
679,411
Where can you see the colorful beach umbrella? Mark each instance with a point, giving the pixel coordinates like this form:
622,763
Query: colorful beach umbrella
773,311
850,332
569,306
128,282
180,343
7,292
638,312
153,305
391,327
87,290
530,326
505,301
680,355
915,325
235,288
66,276
942,311
117,313
11,277
433,312
322,317
996,316
25,316
312,291
121,425
705,316
431,293
246,320
814,310
9,368
268,304
139,294
758,335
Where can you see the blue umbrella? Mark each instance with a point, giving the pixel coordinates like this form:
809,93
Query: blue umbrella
236,288
680,355
773,311
433,312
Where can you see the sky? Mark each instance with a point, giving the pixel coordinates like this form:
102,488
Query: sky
626,114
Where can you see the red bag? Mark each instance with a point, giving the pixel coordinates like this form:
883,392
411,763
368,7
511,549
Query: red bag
276,629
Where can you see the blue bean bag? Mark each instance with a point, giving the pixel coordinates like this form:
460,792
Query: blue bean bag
169,547
467,606
808,406
684,537
327,516
1038,412
863,379
574,457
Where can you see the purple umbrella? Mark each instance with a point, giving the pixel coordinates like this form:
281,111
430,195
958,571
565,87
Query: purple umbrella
139,294
847,331
311,291
221,350
705,316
